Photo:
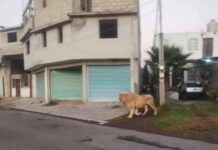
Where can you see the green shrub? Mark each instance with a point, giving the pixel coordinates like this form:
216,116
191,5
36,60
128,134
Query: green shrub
175,89
212,95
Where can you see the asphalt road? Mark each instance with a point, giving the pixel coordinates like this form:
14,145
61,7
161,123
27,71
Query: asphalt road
30,131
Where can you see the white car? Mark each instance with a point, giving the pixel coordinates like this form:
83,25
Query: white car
192,90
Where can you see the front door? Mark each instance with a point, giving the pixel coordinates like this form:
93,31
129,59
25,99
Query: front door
17,87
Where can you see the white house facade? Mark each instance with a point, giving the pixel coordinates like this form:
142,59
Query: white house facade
202,46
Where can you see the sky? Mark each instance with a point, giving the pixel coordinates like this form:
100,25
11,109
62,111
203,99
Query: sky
178,16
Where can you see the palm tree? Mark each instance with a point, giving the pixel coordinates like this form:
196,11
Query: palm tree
173,58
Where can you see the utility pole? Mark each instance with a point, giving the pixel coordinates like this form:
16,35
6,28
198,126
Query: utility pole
161,59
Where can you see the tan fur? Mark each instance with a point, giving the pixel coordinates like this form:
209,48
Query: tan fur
134,102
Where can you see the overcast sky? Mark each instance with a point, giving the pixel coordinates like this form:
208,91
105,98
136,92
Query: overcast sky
178,16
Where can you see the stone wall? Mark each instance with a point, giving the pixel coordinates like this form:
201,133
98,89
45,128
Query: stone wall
55,11
109,5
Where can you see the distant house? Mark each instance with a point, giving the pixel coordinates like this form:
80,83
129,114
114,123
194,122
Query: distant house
14,80
81,49
202,45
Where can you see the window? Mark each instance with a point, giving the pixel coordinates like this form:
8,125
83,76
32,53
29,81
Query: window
193,44
24,80
28,47
44,3
108,28
193,74
44,38
86,5
207,47
60,34
12,37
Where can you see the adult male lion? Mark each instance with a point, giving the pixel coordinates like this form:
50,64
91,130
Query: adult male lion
134,102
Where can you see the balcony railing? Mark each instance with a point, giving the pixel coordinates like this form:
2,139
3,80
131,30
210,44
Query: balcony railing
28,11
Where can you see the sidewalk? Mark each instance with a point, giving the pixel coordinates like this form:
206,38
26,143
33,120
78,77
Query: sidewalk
89,111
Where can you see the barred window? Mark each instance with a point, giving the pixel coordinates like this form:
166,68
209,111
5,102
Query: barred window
193,74
24,80
193,44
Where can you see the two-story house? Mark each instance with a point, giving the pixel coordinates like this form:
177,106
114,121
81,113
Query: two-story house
14,81
82,49
202,46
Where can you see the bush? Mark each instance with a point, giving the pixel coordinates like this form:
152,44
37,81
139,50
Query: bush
212,95
174,89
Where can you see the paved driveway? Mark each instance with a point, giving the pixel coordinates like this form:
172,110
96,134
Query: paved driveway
30,131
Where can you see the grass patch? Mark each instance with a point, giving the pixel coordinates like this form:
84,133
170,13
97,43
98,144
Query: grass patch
197,121
209,108
171,115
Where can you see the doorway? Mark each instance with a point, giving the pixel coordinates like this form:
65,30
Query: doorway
17,86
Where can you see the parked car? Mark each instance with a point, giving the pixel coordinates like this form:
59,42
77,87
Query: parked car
191,90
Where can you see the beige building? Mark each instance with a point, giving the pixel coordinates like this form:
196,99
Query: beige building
14,81
81,49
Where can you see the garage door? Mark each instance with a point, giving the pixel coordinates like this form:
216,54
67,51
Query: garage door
66,84
106,82
40,85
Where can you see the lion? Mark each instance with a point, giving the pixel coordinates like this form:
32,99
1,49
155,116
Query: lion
135,102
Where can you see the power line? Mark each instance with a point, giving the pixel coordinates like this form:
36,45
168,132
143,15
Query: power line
147,3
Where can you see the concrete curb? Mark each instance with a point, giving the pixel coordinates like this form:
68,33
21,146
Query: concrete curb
90,121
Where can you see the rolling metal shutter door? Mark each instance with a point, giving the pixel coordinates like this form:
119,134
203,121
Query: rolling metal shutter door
106,82
40,85
66,85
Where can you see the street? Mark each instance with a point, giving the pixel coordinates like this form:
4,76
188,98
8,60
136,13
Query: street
31,131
